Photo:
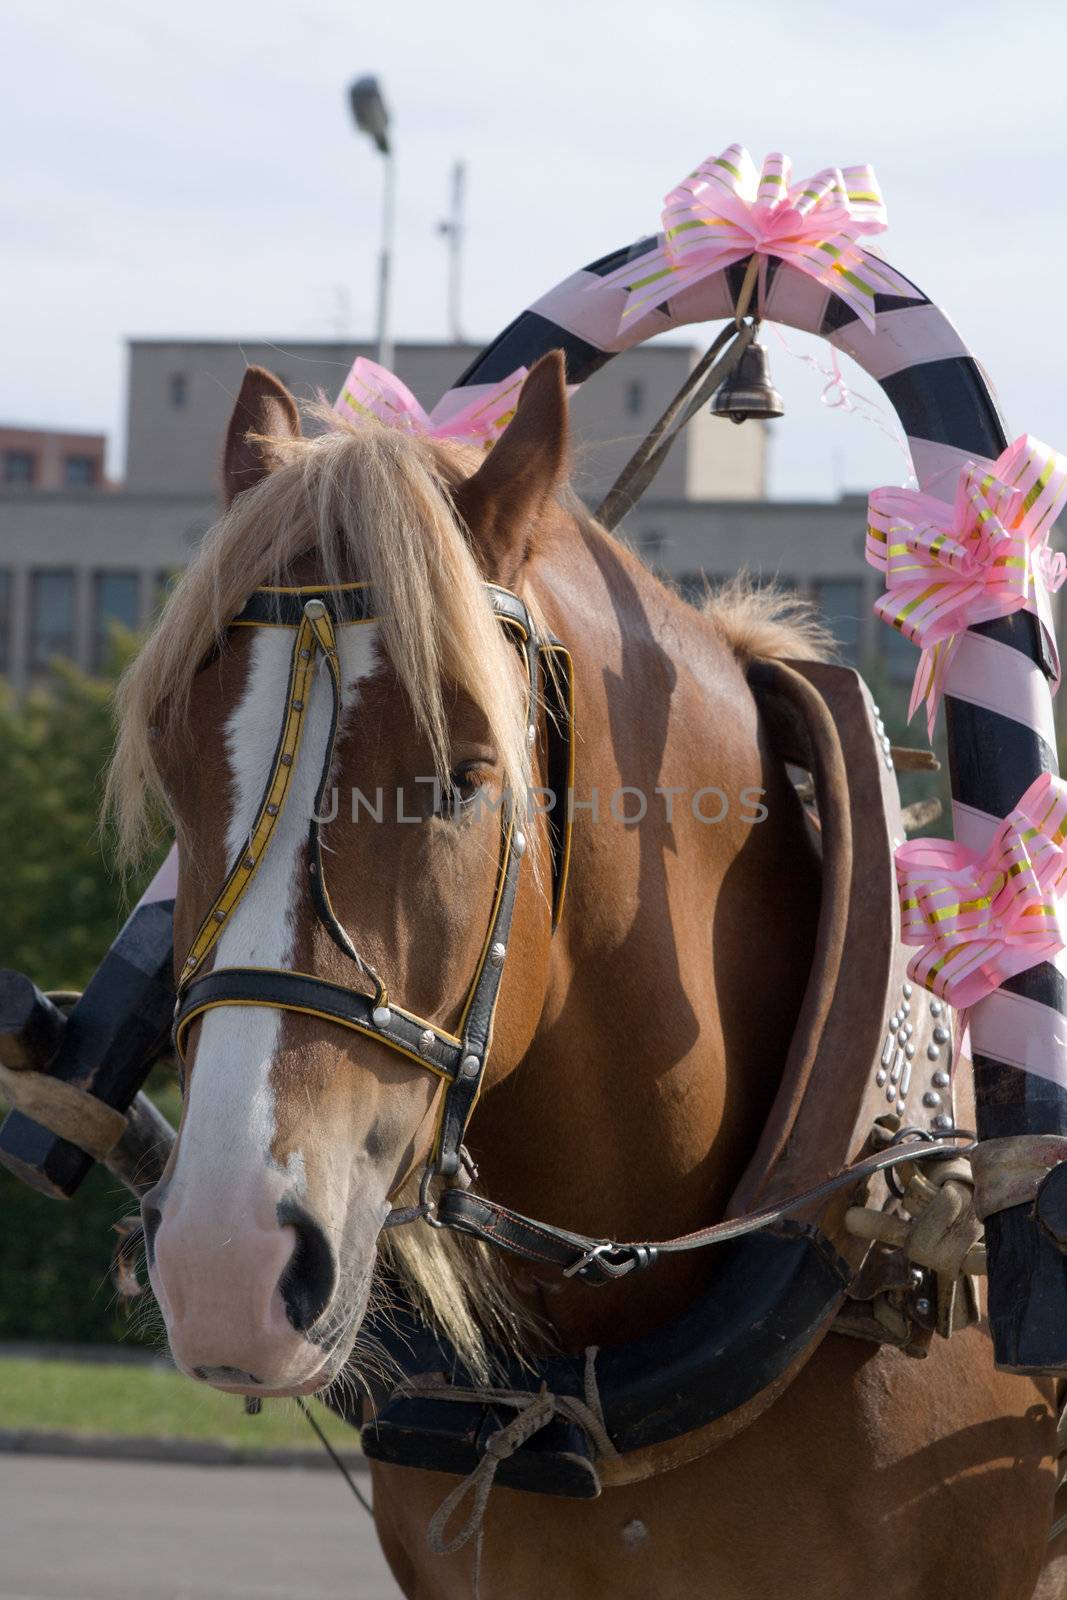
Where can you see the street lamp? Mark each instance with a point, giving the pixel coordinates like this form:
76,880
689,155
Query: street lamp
372,118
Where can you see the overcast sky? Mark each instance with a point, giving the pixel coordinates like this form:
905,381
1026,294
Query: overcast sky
192,170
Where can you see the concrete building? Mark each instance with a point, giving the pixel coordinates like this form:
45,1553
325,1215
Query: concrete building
73,561
37,458
181,393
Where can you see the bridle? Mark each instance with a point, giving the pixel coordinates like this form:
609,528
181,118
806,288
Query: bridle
315,613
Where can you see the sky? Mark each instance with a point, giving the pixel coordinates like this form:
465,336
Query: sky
193,170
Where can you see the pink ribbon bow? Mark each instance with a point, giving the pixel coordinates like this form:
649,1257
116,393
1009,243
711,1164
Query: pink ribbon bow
947,567
373,391
726,210
980,919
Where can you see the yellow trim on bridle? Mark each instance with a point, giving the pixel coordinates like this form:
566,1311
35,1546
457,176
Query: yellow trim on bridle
247,864
326,1016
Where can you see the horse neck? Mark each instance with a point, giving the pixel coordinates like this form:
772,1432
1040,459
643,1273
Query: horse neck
676,975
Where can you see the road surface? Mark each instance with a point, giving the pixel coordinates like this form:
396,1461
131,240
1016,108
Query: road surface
107,1530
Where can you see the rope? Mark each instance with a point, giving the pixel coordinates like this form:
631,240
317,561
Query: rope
533,1412
530,1419
336,1459
592,1390
587,1414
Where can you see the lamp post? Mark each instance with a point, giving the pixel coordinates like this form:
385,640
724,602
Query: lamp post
372,118
452,229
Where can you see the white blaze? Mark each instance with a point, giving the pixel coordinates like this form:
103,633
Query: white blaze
229,1120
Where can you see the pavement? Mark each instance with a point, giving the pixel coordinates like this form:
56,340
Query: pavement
111,1530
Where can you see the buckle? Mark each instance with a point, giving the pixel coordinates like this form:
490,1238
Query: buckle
587,1257
593,1265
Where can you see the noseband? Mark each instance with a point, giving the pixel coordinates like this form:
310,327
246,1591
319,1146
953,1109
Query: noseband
315,613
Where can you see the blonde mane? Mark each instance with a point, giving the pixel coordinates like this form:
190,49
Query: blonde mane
768,621
374,503
367,502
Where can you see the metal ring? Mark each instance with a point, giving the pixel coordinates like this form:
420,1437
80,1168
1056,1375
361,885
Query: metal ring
920,1136
428,1206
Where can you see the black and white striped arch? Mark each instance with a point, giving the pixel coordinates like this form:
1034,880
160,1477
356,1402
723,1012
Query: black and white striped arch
1000,740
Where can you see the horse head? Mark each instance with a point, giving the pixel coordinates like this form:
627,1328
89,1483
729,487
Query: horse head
297,1134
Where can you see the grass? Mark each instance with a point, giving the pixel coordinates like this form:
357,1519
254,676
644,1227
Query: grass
92,1398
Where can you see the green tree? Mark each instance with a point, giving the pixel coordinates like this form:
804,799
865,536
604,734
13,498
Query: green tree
61,901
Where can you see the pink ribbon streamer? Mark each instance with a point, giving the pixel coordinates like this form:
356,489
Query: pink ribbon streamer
373,391
726,210
981,919
987,555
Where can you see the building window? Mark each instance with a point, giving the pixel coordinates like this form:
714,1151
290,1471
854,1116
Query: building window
5,618
79,472
52,615
179,391
635,397
20,466
116,597
841,602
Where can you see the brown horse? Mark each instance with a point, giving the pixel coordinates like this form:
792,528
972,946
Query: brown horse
636,1050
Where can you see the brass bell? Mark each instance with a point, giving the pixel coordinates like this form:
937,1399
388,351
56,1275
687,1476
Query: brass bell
747,391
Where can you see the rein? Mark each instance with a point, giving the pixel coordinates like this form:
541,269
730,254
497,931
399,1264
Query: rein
314,613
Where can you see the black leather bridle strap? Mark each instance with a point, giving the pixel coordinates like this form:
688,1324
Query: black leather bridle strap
603,1260
551,670
279,607
275,987
557,689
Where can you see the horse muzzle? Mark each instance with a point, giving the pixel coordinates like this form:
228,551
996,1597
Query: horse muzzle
246,1295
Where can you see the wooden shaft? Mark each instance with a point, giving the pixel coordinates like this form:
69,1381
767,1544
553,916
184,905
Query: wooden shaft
31,1026
144,1149
32,1032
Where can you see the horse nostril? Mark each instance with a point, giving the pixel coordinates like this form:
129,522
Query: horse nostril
151,1217
307,1285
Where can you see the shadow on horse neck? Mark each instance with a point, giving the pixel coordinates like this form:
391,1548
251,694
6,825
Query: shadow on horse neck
677,972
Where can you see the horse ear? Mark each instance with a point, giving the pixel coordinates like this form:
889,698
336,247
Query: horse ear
264,406
501,501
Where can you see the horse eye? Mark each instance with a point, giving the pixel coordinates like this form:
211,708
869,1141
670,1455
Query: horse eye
464,783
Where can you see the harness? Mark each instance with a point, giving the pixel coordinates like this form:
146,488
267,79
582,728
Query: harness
315,613
783,1268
